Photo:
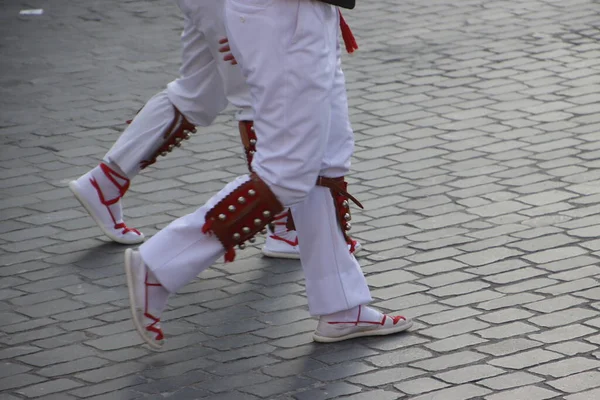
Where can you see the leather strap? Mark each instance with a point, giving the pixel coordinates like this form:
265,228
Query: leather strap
336,185
242,214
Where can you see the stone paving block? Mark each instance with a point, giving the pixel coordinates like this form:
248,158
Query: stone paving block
47,388
566,367
61,354
517,275
563,333
107,387
420,385
459,288
269,389
507,330
469,374
526,359
385,376
487,256
527,286
554,304
71,367
338,371
565,317
471,298
466,391
505,315
567,287
525,393
455,343
508,346
571,348
448,361
577,382
11,369
19,380
393,358
329,391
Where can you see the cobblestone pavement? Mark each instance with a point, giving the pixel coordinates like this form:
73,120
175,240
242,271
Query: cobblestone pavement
478,133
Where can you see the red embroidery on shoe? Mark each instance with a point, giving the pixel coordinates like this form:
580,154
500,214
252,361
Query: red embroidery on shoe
395,319
358,316
111,174
151,327
126,228
278,221
291,243
280,216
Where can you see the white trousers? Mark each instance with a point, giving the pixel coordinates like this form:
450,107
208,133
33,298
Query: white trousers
205,86
290,55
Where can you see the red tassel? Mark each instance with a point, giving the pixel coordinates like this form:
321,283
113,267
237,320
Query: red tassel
207,226
230,255
347,35
352,245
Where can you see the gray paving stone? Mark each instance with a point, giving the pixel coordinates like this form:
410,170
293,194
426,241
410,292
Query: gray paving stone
525,392
420,385
61,354
375,394
507,330
563,333
385,376
455,343
467,391
566,367
510,380
47,388
565,317
577,383
469,374
19,380
526,359
329,391
448,361
508,346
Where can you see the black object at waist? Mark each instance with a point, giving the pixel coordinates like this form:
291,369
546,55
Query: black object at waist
341,3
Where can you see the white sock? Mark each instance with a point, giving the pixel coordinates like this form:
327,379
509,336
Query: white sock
112,184
279,224
157,295
352,315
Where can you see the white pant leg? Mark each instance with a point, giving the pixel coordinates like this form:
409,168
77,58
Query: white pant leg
293,70
207,17
334,280
340,145
143,136
179,252
286,49
198,94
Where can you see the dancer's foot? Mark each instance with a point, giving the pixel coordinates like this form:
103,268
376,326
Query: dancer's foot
147,298
357,322
99,192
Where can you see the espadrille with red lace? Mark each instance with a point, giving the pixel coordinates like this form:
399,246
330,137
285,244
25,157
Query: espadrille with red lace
358,322
100,192
147,299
